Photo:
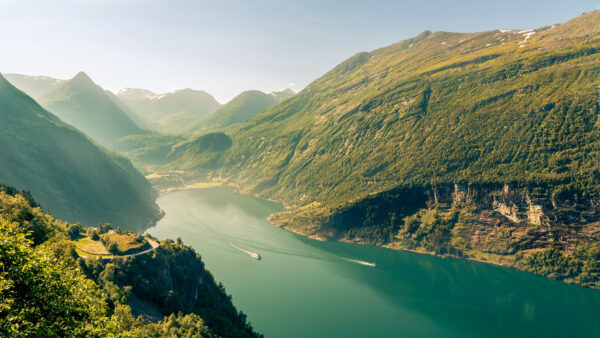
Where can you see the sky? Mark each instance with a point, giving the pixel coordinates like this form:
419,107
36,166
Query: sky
227,46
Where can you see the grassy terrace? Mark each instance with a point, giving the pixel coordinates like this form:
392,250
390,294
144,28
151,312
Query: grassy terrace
90,247
111,244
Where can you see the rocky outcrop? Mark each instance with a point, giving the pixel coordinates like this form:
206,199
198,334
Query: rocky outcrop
497,223
538,206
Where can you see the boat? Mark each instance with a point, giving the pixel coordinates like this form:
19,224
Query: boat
253,254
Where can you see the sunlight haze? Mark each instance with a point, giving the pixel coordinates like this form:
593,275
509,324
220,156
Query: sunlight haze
226,47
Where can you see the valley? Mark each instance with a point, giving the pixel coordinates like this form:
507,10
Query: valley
446,185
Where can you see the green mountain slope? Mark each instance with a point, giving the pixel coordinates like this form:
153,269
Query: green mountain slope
169,112
496,106
482,145
84,105
240,109
34,86
66,171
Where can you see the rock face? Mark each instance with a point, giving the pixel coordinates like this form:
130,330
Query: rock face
515,204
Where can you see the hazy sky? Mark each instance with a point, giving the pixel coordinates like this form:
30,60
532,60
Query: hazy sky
226,47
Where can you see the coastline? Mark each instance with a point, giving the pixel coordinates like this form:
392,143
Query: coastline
468,258
390,246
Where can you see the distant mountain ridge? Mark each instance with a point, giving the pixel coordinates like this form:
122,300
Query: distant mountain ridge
63,169
34,86
169,112
239,110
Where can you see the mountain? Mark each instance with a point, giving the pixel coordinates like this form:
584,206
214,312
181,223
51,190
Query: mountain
38,86
482,145
86,106
34,86
240,109
169,112
67,172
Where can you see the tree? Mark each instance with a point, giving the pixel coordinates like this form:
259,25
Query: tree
40,295
74,230
113,248
104,228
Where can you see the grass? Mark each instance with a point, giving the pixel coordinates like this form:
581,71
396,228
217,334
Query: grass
126,243
88,246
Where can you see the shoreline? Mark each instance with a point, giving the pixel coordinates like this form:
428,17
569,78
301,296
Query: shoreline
207,185
201,185
472,259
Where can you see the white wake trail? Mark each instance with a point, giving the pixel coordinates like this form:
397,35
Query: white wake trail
359,262
249,253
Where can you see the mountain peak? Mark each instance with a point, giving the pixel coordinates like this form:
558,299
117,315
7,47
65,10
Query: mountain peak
82,77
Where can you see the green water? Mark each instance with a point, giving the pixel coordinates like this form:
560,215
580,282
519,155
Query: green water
306,288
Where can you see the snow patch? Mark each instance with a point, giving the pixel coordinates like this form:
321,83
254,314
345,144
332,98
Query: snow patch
527,34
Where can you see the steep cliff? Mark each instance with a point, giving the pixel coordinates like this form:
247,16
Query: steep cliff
534,228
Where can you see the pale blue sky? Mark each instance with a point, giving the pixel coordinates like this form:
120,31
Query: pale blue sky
225,47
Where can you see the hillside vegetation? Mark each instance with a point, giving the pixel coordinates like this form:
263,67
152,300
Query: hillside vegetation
513,110
498,106
64,170
46,290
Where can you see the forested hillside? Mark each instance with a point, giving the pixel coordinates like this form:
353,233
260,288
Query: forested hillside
47,290
513,110
68,173
498,106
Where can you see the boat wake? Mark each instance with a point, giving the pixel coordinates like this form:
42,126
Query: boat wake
359,262
252,254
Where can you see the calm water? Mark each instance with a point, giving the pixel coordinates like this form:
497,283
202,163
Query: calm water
306,288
